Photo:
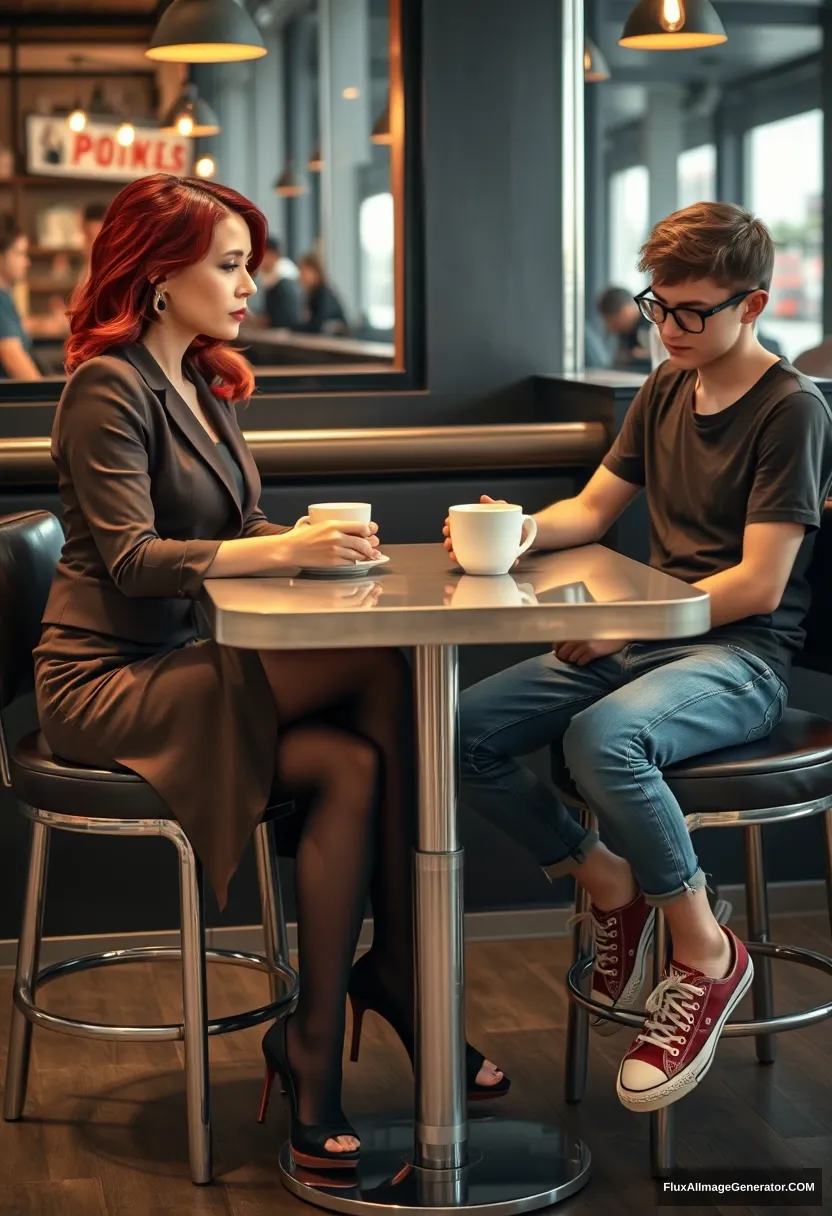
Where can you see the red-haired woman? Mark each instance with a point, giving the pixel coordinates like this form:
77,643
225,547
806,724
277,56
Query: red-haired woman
159,490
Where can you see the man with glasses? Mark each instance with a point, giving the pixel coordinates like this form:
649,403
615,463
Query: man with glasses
734,449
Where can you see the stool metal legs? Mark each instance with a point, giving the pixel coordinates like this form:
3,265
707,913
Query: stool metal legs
195,1010
28,952
577,1023
759,930
274,920
827,835
662,1152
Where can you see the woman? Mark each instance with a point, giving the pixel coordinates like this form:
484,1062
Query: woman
323,311
159,491
16,363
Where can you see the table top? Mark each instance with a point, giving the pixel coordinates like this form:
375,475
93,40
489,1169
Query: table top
421,598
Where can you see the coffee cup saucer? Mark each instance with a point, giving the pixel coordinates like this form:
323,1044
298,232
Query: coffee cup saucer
356,570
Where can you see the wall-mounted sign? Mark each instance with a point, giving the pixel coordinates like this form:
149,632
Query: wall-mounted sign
53,149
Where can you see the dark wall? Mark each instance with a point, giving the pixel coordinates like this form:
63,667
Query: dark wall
491,190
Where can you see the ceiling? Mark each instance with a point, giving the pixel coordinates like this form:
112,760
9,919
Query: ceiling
762,34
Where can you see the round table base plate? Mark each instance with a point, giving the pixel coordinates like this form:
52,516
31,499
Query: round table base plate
516,1166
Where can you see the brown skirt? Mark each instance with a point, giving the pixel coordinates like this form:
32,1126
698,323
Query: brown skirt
197,722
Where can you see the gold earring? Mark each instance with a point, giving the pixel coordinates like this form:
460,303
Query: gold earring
159,303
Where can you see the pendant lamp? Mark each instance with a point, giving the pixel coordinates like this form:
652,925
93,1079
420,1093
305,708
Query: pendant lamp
190,115
288,185
381,133
205,31
672,25
315,163
595,65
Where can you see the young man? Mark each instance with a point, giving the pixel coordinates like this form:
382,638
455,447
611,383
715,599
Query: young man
734,448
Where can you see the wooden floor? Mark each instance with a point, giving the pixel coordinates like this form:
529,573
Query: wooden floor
104,1133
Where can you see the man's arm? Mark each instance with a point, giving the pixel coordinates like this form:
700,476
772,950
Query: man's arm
756,585
585,518
16,361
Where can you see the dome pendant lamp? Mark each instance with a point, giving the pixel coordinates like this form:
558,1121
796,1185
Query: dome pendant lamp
205,31
672,25
595,65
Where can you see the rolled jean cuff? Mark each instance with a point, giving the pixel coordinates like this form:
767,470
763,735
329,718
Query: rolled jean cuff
696,883
579,854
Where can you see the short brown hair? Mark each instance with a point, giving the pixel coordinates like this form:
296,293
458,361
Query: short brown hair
10,230
719,241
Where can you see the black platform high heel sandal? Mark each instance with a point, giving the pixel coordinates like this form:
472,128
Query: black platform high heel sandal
307,1140
366,991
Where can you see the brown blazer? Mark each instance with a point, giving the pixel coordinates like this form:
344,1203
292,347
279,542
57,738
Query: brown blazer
121,675
147,498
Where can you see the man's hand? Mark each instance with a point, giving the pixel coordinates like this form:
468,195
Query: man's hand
581,653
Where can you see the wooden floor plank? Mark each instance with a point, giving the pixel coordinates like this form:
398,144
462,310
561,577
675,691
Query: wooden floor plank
105,1129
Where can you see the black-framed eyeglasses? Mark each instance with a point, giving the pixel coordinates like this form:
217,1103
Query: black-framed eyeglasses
691,320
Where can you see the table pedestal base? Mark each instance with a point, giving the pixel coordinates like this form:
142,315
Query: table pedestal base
514,1166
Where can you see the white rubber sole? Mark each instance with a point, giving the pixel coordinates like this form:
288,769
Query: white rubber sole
629,998
690,1076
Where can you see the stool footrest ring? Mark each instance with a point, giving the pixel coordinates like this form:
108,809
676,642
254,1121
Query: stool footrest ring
634,1018
24,998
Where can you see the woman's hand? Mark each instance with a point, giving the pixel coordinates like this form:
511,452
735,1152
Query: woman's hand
329,544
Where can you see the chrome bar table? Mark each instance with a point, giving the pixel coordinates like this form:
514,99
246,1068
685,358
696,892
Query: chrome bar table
420,600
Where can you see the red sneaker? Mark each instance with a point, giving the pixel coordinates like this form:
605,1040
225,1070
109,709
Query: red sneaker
623,939
687,1013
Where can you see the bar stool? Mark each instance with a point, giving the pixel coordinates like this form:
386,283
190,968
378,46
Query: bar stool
781,779
55,794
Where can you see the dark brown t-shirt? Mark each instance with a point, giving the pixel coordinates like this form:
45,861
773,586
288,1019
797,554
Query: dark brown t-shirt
766,458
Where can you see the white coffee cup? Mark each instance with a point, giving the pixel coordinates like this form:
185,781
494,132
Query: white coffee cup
499,592
488,538
341,512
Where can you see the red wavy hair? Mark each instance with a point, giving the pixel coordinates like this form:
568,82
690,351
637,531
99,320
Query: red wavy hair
154,227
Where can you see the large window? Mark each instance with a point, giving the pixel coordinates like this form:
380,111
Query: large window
697,175
784,162
376,220
628,224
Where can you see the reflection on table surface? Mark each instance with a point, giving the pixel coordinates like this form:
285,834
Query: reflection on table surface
420,577
420,598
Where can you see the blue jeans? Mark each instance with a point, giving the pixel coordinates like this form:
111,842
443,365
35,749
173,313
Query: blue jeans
622,719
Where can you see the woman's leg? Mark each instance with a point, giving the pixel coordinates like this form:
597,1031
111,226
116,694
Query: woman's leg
337,775
374,687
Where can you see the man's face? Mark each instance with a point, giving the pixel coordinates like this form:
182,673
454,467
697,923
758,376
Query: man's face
722,331
624,321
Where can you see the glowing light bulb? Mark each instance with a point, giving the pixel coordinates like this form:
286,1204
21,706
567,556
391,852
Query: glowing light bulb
185,125
77,120
673,15
351,93
205,167
126,134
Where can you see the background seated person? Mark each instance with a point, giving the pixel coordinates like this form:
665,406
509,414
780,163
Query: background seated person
323,312
277,304
16,362
622,319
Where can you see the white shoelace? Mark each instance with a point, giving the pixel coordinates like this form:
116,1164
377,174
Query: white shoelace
606,941
672,1005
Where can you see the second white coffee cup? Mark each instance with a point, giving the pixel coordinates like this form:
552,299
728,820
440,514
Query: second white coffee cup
488,538
342,512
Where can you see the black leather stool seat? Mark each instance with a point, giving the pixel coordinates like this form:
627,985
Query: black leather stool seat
792,765
44,780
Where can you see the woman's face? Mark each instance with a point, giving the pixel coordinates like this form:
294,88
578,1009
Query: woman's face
15,261
210,297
